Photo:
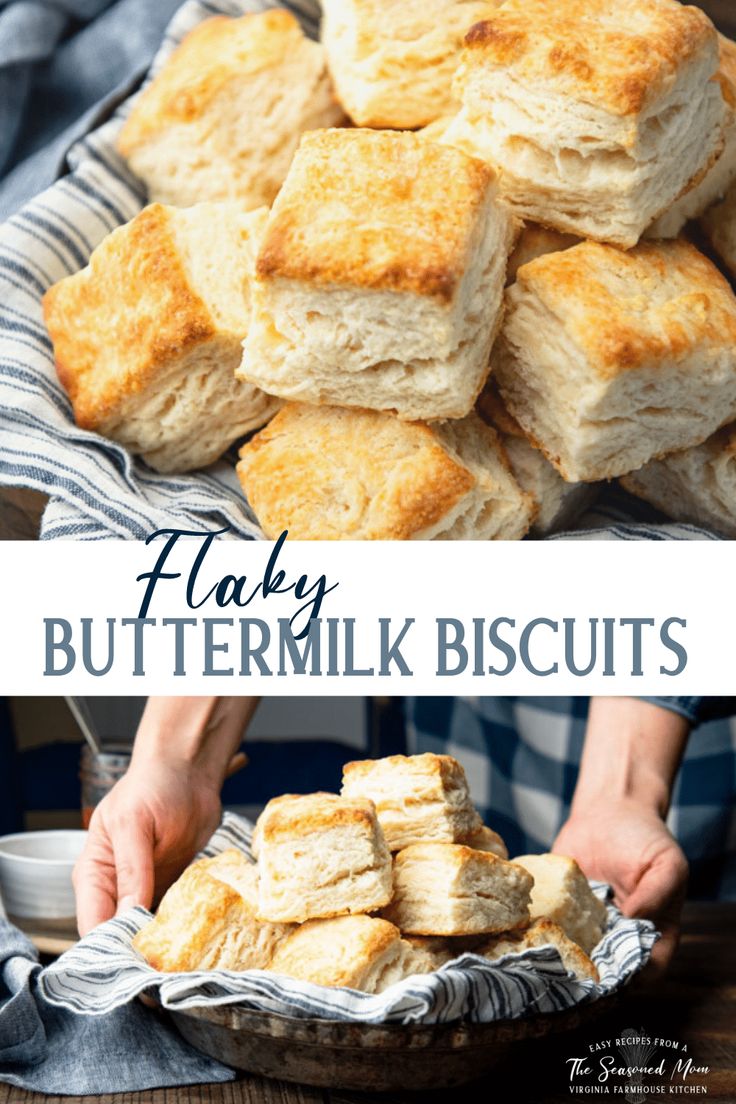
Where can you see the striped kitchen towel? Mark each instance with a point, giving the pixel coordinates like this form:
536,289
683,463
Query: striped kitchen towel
97,488
103,972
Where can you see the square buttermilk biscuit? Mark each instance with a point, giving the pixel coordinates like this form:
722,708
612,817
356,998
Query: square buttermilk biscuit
417,797
207,920
609,359
352,952
449,889
330,473
558,503
223,118
147,337
597,113
380,277
393,64
719,226
561,893
320,855
697,486
719,178
542,933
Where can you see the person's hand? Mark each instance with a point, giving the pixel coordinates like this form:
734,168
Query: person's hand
141,836
625,843
616,829
165,808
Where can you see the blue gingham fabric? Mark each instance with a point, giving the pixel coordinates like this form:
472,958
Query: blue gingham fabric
103,973
97,489
522,757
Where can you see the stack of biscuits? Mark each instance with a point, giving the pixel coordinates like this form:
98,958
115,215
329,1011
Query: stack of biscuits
442,257
395,876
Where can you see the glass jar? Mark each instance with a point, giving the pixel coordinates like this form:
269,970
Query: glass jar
98,773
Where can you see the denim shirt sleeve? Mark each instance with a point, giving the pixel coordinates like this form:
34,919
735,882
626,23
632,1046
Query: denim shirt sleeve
697,710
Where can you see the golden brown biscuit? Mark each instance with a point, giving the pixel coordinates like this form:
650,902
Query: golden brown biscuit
320,855
541,933
417,797
598,113
329,473
355,952
449,889
223,117
380,277
609,359
147,336
561,893
393,64
207,920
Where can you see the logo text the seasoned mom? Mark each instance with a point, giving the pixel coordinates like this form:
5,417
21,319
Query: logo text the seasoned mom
637,1067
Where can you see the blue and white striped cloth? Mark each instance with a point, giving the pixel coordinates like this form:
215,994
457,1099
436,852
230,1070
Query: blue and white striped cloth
103,972
97,489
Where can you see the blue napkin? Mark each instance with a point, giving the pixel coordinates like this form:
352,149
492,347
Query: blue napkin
51,1050
63,65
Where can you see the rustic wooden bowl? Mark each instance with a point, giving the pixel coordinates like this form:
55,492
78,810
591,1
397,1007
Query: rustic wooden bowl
375,1058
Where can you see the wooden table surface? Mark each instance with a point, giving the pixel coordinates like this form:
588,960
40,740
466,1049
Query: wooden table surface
696,1005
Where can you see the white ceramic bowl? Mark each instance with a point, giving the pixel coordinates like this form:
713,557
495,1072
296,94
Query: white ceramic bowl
36,877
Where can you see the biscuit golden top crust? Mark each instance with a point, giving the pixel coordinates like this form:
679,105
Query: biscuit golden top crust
551,865
134,304
619,55
657,303
401,28
335,951
328,474
217,51
376,209
299,814
441,767
457,855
